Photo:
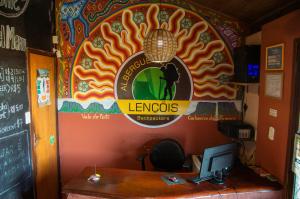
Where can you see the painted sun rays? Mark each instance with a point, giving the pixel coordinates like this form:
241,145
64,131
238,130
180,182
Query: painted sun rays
199,56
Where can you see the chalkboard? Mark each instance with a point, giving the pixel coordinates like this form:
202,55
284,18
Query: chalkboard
23,23
14,160
15,156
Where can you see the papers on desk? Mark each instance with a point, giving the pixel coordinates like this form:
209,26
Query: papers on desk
95,178
263,173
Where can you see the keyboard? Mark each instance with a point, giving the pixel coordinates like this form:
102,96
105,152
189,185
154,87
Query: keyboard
197,161
197,179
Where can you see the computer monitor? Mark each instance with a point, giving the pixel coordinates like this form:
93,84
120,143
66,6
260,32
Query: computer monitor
216,163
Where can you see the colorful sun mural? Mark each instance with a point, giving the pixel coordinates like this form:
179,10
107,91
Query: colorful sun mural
100,38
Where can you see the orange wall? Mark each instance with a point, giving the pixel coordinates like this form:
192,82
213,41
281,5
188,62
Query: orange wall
272,155
115,142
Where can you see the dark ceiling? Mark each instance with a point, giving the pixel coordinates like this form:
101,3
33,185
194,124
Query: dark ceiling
253,13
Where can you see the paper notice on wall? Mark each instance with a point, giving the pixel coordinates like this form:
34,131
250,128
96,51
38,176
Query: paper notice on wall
43,87
296,156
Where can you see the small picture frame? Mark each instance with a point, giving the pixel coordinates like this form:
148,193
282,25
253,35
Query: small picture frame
275,57
274,85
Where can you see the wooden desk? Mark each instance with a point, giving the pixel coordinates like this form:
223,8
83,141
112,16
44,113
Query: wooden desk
122,183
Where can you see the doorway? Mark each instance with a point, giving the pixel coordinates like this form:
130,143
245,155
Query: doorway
42,95
294,179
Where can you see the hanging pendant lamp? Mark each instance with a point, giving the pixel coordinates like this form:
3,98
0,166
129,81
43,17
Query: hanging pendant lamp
160,46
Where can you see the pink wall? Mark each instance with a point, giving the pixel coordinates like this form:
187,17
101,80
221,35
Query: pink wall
116,142
272,155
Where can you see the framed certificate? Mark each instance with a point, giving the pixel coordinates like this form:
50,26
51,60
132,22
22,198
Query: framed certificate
275,57
274,85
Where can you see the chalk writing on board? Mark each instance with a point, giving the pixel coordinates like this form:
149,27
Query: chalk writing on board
10,40
11,126
14,161
13,8
6,110
11,80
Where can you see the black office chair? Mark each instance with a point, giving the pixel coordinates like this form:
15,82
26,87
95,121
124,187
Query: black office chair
165,155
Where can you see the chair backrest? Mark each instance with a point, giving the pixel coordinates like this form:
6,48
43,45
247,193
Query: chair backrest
167,155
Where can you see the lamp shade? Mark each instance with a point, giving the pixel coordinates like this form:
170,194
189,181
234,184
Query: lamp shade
160,46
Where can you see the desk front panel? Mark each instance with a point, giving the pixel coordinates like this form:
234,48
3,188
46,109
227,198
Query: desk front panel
122,183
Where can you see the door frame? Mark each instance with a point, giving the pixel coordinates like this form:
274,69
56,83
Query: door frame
294,115
31,125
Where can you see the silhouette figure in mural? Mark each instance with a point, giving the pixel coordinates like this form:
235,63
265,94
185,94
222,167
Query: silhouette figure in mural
70,11
171,75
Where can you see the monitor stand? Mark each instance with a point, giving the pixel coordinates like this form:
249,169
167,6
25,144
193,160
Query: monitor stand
217,181
218,178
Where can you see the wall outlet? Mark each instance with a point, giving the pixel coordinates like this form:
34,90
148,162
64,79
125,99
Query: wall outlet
271,133
273,112
55,39
58,54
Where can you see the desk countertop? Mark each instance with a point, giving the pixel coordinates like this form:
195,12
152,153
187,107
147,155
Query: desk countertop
123,183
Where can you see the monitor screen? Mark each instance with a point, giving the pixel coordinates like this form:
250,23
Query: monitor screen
253,70
217,162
